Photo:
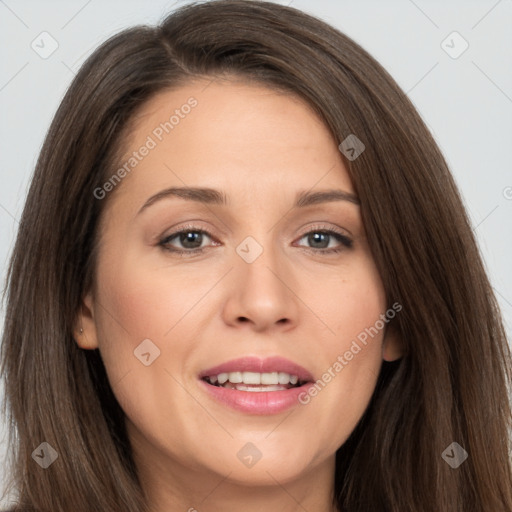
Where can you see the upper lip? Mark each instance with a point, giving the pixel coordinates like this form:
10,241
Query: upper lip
259,365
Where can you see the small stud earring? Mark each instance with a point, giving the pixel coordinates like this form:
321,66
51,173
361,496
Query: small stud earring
81,330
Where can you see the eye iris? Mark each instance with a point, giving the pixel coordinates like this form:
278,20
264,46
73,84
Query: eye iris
191,237
319,238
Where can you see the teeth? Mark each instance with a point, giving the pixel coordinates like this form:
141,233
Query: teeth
242,387
254,378
223,377
235,377
283,378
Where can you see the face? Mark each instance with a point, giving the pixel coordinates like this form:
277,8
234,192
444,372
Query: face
267,286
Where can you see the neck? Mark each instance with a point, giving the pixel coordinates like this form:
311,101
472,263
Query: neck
211,493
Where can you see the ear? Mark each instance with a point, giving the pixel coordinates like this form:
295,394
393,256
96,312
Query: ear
392,344
85,326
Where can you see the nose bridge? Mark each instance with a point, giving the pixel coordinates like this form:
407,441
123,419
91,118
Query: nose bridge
261,261
260,223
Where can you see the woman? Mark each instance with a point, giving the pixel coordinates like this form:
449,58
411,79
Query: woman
244,277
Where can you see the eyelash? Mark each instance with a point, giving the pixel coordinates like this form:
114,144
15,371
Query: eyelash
343,239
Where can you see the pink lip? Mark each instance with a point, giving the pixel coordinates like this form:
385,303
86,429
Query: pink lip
261,402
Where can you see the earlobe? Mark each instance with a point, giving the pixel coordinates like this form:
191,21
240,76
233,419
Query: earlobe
85,333
392,345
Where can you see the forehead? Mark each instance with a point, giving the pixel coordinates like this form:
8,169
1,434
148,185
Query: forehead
232,135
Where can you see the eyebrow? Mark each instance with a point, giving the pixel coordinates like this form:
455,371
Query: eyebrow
216,197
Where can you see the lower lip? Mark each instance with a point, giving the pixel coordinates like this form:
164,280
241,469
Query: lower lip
257,402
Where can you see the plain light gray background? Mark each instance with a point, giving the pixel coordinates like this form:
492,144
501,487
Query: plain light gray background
465,101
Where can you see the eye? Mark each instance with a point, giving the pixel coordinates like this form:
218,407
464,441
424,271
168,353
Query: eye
324,240
189,240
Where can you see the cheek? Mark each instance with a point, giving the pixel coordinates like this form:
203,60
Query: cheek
351,352
351,304
344,387
135,304
145,304
138,305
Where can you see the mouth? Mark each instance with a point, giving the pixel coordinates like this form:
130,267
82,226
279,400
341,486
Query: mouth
256,386
255,381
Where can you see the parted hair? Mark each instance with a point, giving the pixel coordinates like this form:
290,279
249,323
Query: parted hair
452,383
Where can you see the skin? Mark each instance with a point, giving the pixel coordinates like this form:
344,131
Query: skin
259,147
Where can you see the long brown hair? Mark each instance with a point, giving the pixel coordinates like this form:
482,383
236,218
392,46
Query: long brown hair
452,383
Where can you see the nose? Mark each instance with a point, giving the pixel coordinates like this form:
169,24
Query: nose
260,294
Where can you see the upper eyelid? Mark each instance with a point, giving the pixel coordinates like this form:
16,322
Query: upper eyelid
190,227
